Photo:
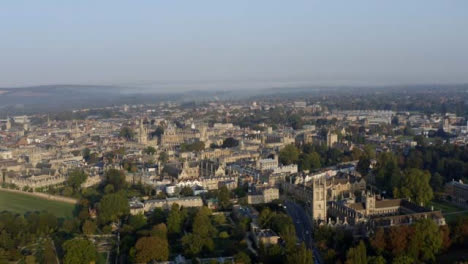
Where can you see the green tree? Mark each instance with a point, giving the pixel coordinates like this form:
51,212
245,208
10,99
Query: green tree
426,241
175,220
79,251
415,185
86,152
75,178
387,174
159,230
158,132
357,255
363,165
195,146
230,142
89,227
163,157
137,221
265,218
223,196
295,121
192,244
242,258
376,260
116,178
289,155
186,191
112,207
403,260
127,133
310,161
151,249
301,255
149,150
47,254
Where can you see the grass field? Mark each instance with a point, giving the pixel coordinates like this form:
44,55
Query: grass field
21,203
450,211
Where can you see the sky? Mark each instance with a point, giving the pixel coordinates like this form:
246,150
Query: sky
177,44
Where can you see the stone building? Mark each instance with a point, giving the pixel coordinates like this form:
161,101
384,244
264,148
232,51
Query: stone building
266,195
457,192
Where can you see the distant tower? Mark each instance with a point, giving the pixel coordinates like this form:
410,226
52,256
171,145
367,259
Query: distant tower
370,204
332,139
8,124
319,200
142,133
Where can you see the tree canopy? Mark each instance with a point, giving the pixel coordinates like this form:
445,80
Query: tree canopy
79,251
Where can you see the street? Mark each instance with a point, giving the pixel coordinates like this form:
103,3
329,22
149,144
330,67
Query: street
303,226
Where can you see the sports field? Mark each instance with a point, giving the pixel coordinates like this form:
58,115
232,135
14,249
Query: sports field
21,203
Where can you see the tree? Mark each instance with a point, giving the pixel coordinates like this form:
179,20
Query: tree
186,191
219,219
242,258
116,178
295,121
357,255
223,196
47,255
460,231
195,146
202,233
265,218
149,150
159,230
363,165
86,152
387,174
224,235
426,241
151,249
398,239
79,251
192,244
112,207
201,223
137,221
289,155
158,132
175,220
163,157
403,260
127,133
378,241
301,255
376,260
75,178
230,142
310,161
89,227
415,185
437,182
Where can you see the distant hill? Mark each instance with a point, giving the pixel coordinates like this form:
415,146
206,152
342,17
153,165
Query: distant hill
66,97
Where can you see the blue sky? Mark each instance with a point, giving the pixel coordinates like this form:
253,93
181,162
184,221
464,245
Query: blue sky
222,44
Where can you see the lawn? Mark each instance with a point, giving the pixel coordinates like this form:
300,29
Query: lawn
21,203
450,211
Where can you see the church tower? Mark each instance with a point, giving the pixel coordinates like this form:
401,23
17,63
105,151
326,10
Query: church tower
142,133
319,200
370,204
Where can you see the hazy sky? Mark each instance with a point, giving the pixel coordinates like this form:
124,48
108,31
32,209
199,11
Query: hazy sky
233,43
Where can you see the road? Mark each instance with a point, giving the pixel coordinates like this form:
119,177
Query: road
303,226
